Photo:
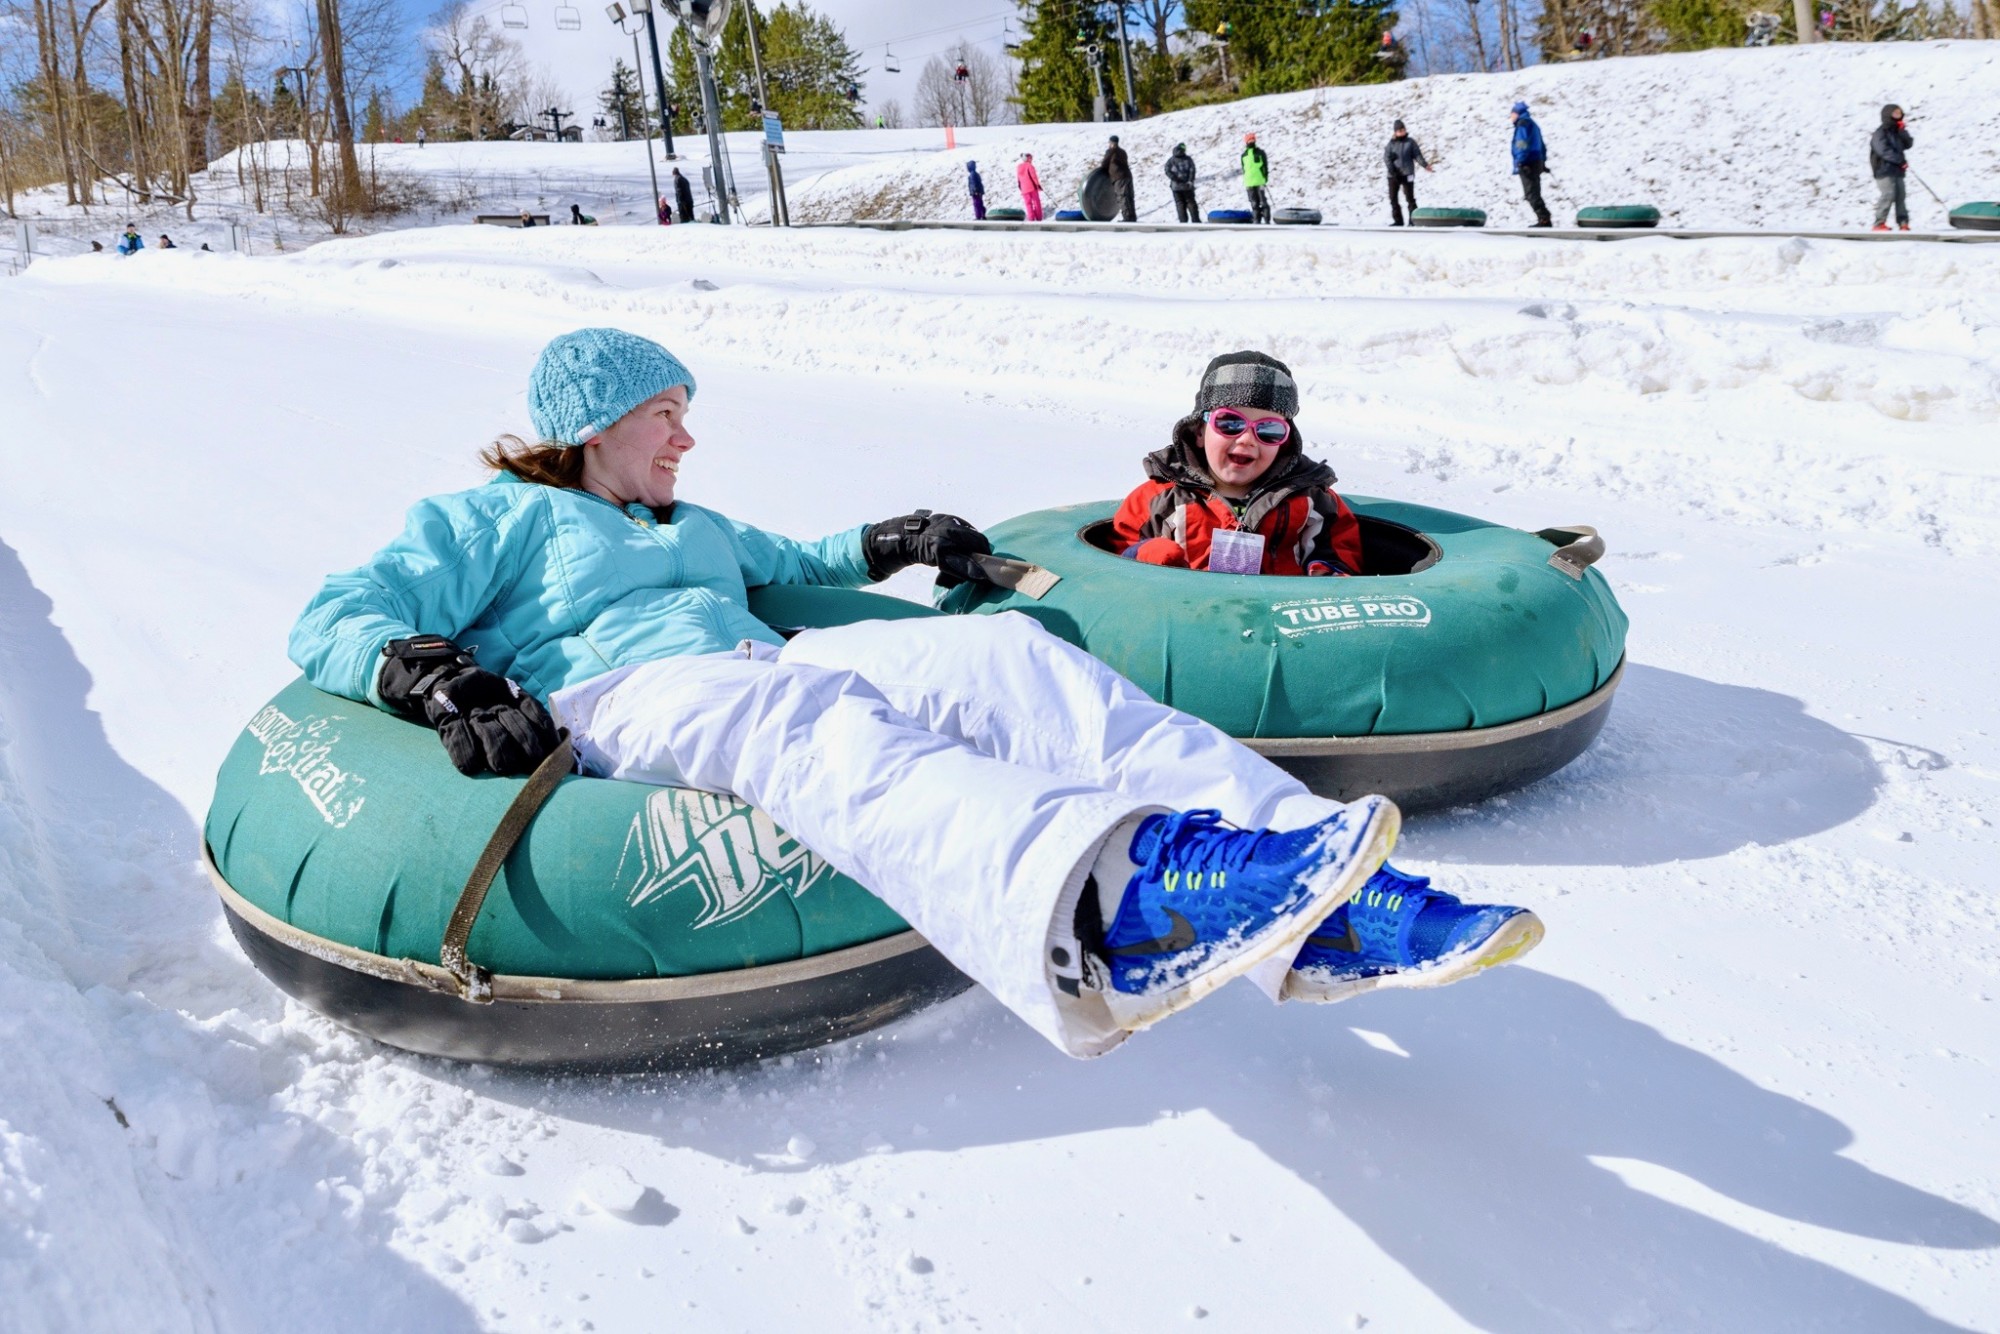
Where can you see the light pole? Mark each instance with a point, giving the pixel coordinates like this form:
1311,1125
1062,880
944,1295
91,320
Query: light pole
645,7
617,13
711,107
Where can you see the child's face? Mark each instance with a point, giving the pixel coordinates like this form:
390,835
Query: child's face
1236,462
638,457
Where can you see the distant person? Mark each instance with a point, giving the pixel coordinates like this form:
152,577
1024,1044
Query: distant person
1180,180
204,246
1119,168
131,243
97,247
578,218
527,218
1531,162
1891,167
1403,156
1256,179
881,123
1030,182
167,242
663,210
683,196
977,189
422,137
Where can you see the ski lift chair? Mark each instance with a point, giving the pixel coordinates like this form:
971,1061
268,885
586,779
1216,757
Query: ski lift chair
568,19
513,16
889,62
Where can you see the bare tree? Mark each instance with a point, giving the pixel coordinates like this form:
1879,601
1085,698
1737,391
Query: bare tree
486,64
535,92
980,98
891,113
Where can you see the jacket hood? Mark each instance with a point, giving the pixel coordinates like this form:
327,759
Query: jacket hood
1891,114
1290,471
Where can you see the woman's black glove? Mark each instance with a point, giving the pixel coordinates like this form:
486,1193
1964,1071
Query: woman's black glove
943,540
487,723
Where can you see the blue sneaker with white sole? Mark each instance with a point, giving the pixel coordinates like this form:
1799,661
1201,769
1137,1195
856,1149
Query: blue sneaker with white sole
1396,931
1207,902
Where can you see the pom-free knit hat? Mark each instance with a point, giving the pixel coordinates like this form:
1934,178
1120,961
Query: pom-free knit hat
1520,108
1248,380
586,380
1400,126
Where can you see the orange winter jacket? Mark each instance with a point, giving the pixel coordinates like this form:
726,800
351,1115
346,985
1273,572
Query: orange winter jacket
1306,526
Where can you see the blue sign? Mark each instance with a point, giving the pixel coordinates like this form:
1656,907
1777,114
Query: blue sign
774,133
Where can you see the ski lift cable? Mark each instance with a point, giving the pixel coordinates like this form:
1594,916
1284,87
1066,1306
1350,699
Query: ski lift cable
999,16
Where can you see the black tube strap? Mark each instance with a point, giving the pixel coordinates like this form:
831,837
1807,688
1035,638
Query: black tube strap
475,984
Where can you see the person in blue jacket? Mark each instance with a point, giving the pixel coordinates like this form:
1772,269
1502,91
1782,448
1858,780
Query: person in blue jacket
131,243
1531,162
1058,835
977,189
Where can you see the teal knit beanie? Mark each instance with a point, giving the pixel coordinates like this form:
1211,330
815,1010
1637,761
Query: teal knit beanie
586,380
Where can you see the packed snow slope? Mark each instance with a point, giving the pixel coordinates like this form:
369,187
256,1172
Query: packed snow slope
1747,1085
1776,137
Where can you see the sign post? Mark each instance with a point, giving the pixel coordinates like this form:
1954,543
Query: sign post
774,148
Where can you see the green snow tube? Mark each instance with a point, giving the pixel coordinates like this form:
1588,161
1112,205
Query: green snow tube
629,927
1467,659
1982,217
1006,215
1296,217
1447,217
1618,216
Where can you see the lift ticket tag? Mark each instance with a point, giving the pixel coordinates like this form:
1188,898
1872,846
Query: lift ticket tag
1231,551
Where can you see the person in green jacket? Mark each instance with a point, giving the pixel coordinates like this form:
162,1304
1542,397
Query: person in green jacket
1256,176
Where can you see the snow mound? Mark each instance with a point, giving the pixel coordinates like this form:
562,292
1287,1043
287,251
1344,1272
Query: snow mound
1775,137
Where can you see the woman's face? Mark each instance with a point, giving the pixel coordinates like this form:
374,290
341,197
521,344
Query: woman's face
1237,462
638,457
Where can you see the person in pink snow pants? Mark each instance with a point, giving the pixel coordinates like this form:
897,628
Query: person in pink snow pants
1031,187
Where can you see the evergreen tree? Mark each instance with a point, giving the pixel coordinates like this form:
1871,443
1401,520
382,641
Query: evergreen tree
437,110
1056,81
1283,47
810,72
375,118
623,102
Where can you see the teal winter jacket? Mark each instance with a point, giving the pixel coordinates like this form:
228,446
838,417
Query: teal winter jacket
552,587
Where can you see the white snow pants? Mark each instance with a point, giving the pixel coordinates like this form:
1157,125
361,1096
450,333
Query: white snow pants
966,769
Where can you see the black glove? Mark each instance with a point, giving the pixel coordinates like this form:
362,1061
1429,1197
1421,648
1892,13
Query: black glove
487,723
924,538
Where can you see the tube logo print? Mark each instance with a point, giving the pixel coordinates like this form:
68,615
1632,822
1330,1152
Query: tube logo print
304,749
735,857
1317,615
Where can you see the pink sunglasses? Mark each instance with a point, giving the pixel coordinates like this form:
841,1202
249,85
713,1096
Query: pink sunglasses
1270,430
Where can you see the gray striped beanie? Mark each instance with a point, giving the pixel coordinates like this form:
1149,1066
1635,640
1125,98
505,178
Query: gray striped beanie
1248,380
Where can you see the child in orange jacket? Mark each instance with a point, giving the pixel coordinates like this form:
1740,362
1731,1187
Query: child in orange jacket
1234,492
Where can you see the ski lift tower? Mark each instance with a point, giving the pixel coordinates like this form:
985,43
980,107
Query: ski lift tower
703,21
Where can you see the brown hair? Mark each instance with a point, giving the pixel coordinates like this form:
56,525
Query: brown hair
547,463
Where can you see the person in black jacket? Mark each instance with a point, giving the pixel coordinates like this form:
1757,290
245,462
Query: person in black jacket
1886,160
1119,168
1180,180
1402,157
683,196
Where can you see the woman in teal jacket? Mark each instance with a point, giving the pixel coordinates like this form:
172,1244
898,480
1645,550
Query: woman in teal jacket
1017,801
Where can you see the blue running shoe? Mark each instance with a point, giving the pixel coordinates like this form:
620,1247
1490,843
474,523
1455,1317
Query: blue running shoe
1397,931
1208,902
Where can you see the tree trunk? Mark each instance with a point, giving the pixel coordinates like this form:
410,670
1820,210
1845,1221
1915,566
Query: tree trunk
86,138
1506,34
141,178
1802,13
1479,38
331,47
1558,28
204,106
53,90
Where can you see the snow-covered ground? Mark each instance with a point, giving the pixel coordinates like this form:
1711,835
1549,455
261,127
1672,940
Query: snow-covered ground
1774,138
1750,1083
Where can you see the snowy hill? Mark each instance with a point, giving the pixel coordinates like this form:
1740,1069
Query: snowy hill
1776,137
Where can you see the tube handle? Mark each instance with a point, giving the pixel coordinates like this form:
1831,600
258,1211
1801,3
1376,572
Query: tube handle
1577,547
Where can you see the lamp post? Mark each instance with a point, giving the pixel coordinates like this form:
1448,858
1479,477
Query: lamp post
617,13
725,185
645,8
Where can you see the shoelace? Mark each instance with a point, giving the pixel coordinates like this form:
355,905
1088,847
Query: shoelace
1207,854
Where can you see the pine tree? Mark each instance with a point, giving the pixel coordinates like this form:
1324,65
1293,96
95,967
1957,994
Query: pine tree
1283,47
623,102
1056,81
375,118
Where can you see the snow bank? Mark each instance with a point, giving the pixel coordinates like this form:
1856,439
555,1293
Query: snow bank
1776,137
